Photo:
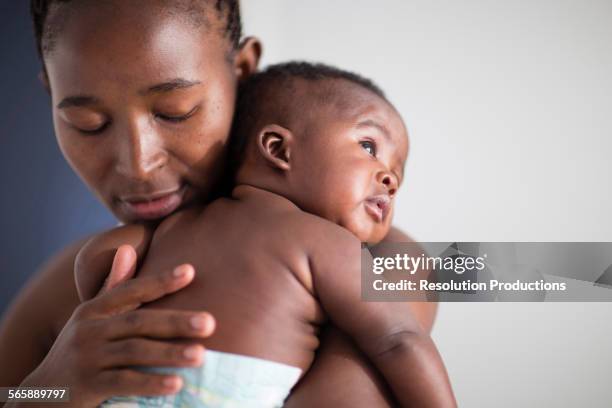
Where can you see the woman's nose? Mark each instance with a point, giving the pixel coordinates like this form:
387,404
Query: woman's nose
388,180
140,152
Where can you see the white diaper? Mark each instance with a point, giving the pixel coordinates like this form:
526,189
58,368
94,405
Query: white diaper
225,380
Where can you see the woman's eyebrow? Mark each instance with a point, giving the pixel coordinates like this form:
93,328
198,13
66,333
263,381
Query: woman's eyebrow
77,100
171,85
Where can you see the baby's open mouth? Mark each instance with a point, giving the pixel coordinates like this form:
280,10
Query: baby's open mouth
378,206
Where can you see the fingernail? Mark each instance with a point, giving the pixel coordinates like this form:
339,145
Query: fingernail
180,271
192,352
198,322
171,382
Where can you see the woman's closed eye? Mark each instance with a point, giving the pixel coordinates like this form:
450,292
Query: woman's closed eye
85,120
94,131
369,146
175,118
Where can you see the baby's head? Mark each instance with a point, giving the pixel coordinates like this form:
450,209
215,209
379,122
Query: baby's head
326,139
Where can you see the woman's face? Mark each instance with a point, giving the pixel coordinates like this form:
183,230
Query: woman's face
143,102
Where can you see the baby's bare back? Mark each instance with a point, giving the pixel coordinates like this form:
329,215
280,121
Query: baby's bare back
252,274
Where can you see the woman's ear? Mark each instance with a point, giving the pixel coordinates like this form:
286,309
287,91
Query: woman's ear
274,144
247,58
44,80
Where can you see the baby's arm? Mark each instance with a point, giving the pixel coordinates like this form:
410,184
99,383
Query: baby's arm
95,258
386,331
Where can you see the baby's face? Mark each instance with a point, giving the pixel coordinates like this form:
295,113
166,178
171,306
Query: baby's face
351,162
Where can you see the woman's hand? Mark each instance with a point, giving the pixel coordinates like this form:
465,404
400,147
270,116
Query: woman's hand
108,333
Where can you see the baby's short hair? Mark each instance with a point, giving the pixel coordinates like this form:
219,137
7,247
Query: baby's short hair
258,94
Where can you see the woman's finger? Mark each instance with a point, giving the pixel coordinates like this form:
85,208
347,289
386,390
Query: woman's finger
151,353
123,268
158,323
132,382
133,293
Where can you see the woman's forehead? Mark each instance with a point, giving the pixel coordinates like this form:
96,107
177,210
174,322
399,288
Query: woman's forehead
197,13
120,25
131,51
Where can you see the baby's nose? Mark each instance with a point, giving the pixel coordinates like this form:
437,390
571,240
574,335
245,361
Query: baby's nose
389,181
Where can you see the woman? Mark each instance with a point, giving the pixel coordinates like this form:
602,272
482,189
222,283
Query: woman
143,95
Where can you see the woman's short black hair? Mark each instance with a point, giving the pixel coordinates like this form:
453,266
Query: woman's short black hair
228,9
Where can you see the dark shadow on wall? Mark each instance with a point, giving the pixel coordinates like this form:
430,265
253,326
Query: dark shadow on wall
44,206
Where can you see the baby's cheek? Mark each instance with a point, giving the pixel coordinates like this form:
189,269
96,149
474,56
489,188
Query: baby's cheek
356,223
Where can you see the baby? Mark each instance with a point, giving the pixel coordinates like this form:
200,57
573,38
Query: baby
318,155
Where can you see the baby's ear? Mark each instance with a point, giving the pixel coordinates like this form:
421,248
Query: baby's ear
274,143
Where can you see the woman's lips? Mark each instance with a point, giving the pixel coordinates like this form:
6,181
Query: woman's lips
378,206
153,206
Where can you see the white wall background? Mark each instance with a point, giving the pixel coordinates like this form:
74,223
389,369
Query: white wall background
508,105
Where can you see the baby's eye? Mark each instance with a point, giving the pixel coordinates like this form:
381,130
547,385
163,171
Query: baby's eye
369,147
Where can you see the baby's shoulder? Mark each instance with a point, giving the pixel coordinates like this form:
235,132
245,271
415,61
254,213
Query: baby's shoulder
136,235
317,232
271,218
94,259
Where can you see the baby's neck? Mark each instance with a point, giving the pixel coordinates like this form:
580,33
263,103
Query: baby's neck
247,192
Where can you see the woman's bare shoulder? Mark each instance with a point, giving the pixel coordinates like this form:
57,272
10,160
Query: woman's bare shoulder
48,298
54,285
36,316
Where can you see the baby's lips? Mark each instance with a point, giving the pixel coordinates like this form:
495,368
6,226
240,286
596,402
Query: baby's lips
381,202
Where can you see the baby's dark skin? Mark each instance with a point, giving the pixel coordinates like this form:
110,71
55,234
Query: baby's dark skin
271,273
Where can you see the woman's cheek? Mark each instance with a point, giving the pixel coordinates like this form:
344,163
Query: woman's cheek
199,154
87,155
75,151
199,140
